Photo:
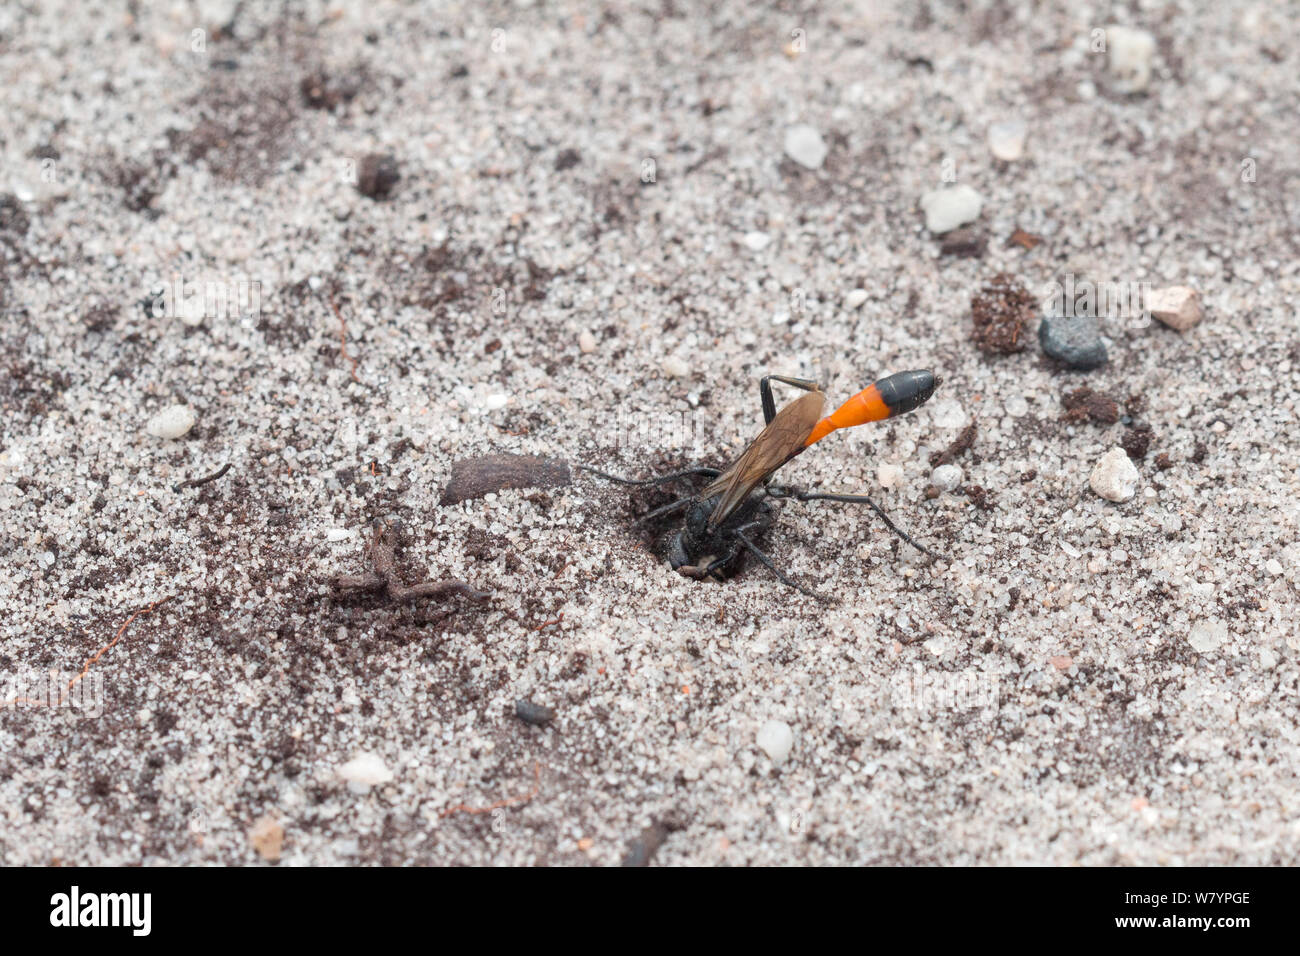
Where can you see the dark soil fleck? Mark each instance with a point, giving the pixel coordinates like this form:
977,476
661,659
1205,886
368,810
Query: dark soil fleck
1083,404
1137,441
321,91
957,448
980,497
1000,311
567,159
13,218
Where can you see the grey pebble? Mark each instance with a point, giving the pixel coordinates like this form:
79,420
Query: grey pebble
1074,340
539,715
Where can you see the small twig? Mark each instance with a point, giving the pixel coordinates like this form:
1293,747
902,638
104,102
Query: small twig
555,620
85,668
509,802
121,631
512,434
195,482
343,338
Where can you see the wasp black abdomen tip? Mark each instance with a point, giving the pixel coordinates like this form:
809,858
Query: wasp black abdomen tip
905,391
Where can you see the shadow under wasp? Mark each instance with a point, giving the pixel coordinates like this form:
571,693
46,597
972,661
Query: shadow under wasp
726,517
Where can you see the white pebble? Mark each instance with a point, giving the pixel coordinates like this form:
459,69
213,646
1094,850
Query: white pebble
946,209
947,413
1007,139
676,367
946,477
855,299
1207,635
1273,566
1178,307
776,739
364,771
171,422
192,311
1114,477
757,241
1129,53
496,401
805,146
889,476
586,341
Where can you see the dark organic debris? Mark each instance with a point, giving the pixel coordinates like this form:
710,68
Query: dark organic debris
1023,239
383,558
195,482
957,448
475,477
981,497
1163,461
13,219
1083,404
1074,340
567,159
377,175
1000,311
320,91
142,182
1137,441
100,317
539,715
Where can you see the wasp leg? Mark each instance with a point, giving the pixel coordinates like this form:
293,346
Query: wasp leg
687,473
667,509
777,491
765,392
735,549
784,579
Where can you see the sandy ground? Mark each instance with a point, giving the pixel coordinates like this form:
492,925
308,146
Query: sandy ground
596,248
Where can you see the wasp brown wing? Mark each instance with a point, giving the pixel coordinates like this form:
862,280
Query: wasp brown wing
775,445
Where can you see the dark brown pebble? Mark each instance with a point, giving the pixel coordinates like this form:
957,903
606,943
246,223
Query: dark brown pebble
377,175
475,477
966,243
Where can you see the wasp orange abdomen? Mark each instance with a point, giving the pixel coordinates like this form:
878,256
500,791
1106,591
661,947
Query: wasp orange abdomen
892,395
